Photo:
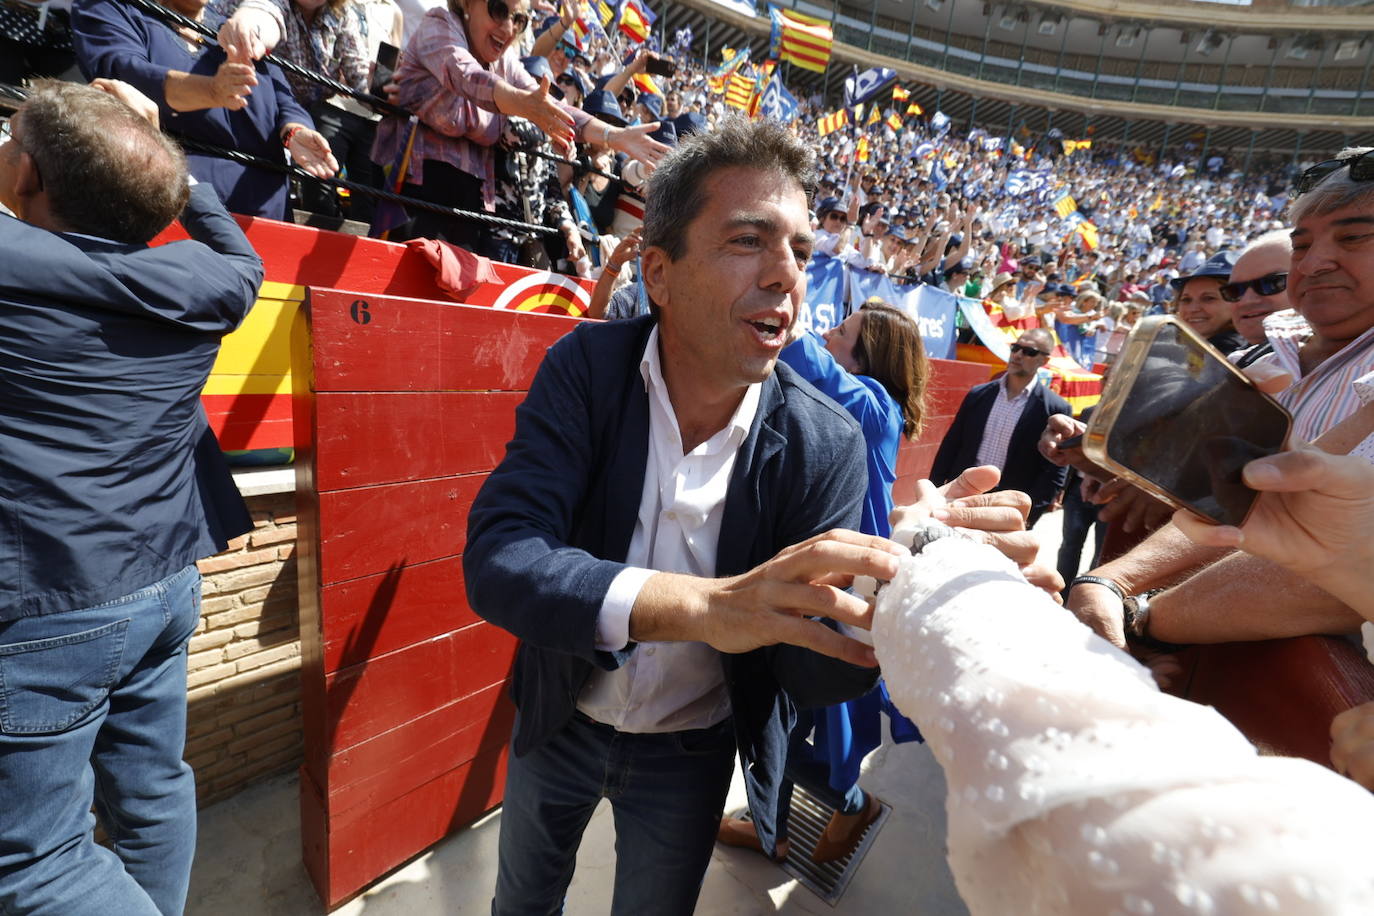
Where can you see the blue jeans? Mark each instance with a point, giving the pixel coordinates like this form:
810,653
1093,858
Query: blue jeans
93,709
667,794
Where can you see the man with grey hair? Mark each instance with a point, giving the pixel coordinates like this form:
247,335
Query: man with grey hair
658,533
111,487
1237,597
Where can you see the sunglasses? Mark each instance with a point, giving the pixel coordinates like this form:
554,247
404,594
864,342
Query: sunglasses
1361,169
839,216
1268,285
1027,351
500,11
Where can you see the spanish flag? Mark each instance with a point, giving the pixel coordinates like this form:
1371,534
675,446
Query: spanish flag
861,151
894,121
832,122
914,109
803,40
635,20
874,116
645,83
1073,146
899,94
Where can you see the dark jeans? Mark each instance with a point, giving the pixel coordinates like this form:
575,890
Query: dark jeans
93,711
350,138
1079,519
667,793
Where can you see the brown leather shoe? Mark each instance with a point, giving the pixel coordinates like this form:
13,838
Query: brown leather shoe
844,831
740,833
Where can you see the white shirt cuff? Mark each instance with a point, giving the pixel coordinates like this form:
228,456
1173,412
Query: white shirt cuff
613,621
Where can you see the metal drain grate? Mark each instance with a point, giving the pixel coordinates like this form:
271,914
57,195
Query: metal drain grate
804,827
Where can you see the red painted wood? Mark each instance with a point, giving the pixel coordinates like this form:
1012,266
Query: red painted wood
374,529
410,345
366,700
370,842
386,437
385,768
358,622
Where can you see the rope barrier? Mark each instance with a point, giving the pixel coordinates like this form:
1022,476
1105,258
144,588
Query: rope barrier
410,203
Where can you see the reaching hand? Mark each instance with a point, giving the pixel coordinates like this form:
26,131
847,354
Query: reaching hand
770,604
241,41
231,86
997,519
636,143
1098,607
143,106
310,150
535,106
1315,513
1057,429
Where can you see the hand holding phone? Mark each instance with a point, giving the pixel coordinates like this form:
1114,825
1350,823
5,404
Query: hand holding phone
1180,422
661,66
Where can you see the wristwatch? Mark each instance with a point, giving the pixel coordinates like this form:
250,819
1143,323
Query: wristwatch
1136,622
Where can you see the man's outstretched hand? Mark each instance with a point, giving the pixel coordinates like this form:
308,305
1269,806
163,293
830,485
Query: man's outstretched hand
770,604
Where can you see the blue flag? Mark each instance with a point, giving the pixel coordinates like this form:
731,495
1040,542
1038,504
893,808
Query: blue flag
777,103
824,305
939,123
863,86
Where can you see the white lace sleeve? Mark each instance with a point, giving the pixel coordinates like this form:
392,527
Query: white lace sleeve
1075,786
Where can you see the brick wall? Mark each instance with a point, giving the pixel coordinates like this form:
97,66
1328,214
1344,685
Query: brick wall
243,710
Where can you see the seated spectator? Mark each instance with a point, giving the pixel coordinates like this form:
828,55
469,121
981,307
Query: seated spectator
203,95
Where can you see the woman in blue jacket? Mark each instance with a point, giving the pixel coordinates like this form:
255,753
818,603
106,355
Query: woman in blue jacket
874,366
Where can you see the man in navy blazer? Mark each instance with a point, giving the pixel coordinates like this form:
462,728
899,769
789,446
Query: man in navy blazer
1000,423
111,487
659,534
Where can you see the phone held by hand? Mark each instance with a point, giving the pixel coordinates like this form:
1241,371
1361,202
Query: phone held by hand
1071,442
387,56
661,66
1180,422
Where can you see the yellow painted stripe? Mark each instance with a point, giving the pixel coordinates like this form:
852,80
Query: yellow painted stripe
262,344
272,290
220,384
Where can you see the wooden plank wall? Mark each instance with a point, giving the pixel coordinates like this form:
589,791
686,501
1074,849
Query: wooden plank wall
407,405
949,382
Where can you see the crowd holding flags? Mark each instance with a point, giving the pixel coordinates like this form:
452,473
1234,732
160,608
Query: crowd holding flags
801,40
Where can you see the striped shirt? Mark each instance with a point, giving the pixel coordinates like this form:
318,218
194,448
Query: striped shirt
1002,419
452,93
1327,395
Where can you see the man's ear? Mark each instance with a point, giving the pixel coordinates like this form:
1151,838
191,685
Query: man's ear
653,267
27,180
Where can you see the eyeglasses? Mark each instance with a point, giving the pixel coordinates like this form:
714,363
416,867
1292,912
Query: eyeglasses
1027,351
1267,285
1361,169
839,216
500,11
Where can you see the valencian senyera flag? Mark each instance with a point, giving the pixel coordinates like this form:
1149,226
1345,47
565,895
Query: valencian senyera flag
832,122
802,40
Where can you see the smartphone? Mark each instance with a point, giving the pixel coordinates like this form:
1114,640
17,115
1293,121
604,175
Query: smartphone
1071,442
661,66
1180,422
387,56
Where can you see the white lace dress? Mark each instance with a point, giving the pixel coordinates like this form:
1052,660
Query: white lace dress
1076,787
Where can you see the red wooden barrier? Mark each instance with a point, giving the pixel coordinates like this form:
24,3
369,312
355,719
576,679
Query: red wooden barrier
406,405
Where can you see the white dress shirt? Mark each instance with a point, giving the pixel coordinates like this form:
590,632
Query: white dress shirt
1002,419
668,686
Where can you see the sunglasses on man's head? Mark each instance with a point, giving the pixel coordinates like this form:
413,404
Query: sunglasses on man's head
500,11
1267,285
1027,351
1361,169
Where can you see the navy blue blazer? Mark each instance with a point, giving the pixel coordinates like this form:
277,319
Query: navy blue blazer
116,40
552,525
1027,470
110,478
